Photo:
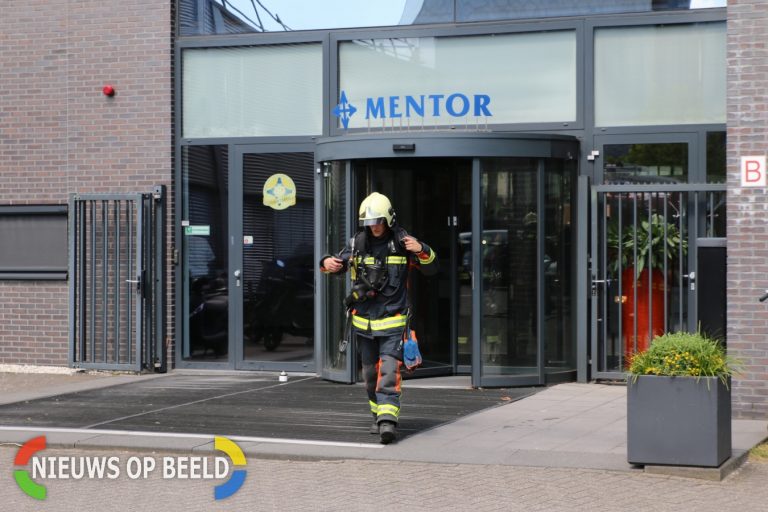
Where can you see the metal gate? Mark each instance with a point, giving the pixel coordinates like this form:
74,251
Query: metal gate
644,277
116,281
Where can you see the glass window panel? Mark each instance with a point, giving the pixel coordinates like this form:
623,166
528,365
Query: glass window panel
484,10
205,252
252,92
34,244
716,215
716,173
660,75
646,163
715,157
419,12
238,16
528,78
241,16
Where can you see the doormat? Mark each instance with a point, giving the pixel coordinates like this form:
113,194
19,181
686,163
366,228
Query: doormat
304,408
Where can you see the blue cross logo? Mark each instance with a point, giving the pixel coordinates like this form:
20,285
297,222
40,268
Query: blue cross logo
344,110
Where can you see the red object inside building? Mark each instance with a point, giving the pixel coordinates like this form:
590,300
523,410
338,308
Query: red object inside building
649,321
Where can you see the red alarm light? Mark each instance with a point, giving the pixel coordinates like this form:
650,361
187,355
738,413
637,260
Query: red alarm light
108,90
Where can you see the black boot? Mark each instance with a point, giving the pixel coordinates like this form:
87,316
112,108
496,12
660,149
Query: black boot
374,427
387,432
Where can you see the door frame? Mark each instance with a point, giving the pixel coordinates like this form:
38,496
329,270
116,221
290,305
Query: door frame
236,314
429,145
695,190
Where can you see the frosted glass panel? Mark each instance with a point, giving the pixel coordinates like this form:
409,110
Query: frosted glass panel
660,75
251,92
527,78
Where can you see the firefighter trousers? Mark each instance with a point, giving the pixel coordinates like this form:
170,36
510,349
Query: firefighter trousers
382,357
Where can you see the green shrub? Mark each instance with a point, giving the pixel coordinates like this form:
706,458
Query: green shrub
683,354
658,241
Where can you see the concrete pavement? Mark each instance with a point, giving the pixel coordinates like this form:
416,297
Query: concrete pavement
563,448
568,426
354,485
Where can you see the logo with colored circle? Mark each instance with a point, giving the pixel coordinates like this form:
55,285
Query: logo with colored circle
23,480
279,192
237,478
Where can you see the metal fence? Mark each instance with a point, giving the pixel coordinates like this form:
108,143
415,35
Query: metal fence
116,284
643,265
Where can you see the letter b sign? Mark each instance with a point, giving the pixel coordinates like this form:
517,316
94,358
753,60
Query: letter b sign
753,171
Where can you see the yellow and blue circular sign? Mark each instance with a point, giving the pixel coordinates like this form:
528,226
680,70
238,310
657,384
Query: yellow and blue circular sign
279,192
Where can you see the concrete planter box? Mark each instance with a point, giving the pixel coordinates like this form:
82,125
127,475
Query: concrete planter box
680,421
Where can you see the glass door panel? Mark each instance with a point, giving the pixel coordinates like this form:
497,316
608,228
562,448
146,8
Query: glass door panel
278,263
205,230
463,266
337,366
558,268
509,333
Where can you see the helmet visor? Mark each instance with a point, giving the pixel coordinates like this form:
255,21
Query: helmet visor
373,222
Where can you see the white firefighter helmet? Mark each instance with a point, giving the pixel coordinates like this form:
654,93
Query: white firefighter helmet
376,209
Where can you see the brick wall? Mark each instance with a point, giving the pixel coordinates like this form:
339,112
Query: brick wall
59,134
33,323
748,207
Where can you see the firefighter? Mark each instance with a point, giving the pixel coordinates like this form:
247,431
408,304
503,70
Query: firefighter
379,258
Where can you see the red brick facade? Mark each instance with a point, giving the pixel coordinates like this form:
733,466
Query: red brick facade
59,134
748,207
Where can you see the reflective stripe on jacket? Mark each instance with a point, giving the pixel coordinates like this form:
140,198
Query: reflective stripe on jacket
391,300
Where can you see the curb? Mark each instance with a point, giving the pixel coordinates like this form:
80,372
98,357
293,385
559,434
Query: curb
734,462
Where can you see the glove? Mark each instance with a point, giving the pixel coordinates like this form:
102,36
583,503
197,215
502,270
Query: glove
411,354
